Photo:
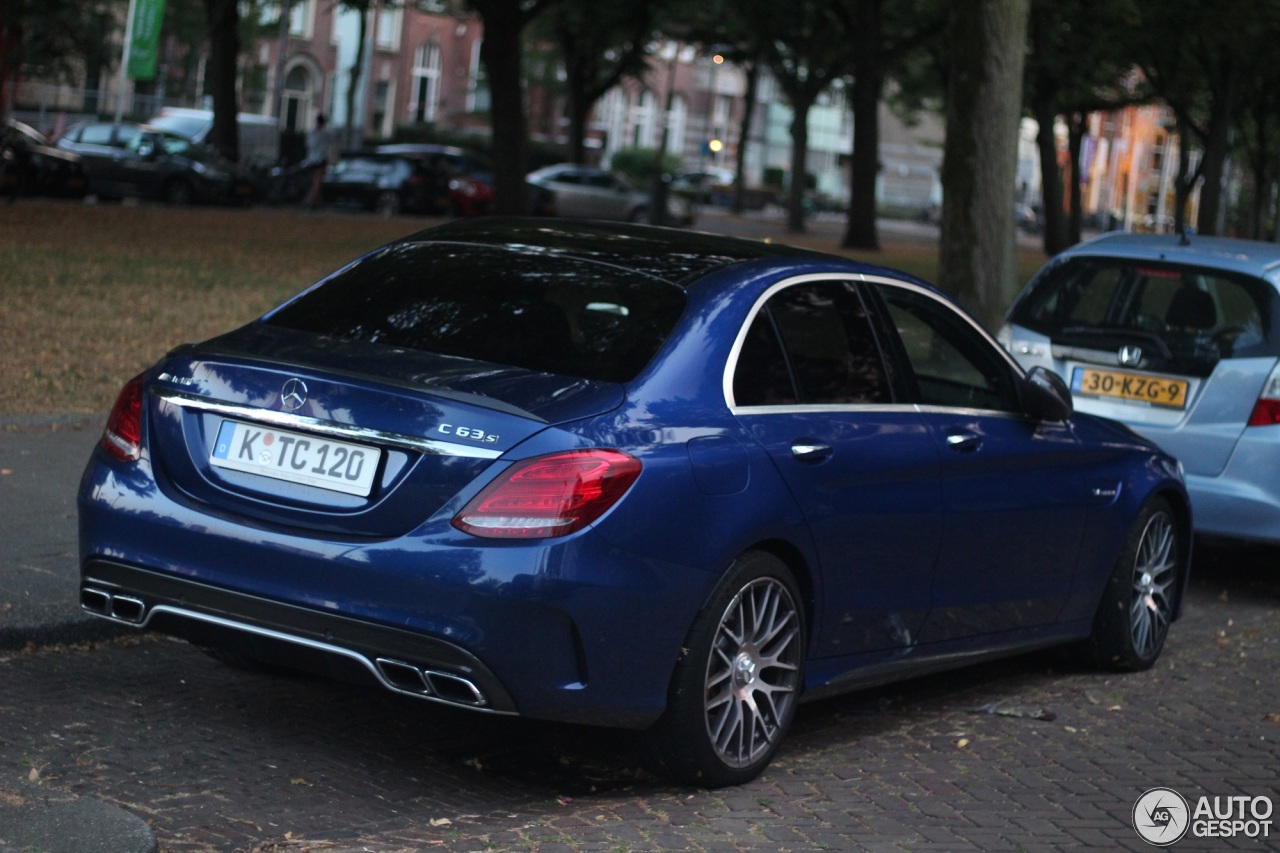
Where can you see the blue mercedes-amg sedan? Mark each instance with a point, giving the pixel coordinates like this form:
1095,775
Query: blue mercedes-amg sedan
625,476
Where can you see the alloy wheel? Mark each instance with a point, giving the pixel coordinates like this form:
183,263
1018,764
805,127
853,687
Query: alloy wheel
753,672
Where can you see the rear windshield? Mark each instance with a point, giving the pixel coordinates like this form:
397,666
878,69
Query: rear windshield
539,312
1193,313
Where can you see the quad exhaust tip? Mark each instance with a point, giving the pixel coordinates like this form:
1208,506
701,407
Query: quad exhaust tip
445,686
122,608
395,675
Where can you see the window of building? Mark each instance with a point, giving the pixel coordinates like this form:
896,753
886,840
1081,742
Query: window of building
425,97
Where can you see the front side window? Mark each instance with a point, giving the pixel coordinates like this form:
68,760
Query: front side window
952,363
812,344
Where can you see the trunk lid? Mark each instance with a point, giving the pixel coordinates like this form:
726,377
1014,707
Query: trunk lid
345,438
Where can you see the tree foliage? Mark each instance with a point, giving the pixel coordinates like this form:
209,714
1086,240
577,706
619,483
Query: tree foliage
1075,65
55,38
599,44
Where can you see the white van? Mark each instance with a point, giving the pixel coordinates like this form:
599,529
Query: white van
259,134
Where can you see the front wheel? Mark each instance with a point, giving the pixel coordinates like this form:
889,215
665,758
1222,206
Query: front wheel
734,693
1141,595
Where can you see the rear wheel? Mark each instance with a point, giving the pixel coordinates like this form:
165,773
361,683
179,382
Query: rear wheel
1138,603
177,191
734,693
387,203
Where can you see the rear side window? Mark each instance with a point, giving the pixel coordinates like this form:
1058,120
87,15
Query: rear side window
1197,312
537,312
811,344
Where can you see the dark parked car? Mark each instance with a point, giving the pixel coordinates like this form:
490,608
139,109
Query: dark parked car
470,175
137,161
31,165
385,183
625,476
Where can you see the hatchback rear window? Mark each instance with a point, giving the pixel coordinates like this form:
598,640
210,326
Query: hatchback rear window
1198,313
534,311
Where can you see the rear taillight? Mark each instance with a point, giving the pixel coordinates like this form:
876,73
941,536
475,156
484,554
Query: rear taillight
1266,412
123,436
549,496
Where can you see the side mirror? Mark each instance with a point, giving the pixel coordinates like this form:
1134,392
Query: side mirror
1046,396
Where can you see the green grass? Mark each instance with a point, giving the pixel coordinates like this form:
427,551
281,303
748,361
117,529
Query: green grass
92,294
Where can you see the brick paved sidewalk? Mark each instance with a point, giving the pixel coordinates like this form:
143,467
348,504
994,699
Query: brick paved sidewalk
219,760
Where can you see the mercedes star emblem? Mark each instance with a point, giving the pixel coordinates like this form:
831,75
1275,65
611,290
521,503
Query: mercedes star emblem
293,394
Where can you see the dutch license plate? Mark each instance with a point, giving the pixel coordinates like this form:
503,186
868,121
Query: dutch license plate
296,457
1156,390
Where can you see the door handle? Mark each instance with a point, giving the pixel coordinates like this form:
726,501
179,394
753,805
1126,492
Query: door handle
810,451
964,442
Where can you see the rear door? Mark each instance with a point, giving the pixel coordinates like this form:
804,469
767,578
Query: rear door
810,385
1015,497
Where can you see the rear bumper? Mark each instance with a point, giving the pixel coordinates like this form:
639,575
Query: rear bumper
578,632
284,634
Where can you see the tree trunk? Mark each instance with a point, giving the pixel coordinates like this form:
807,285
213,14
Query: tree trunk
977,261
799,152
744,136
1075,143
1185,180
1051,203
224,51
1217,148
864,170
355,125
579,110
500,53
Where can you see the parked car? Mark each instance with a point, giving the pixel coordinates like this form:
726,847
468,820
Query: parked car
711,185
31,165
586,192
138,161
258,136
1180,339
625,476
385,183
470,173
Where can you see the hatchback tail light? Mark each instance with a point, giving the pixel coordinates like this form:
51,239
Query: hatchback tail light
1266,412
122,437
550,496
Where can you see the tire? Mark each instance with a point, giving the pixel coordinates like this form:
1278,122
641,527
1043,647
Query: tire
734,692
1140,597
387,203
640,214
178,192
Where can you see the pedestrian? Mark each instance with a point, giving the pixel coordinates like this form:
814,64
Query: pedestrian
318,145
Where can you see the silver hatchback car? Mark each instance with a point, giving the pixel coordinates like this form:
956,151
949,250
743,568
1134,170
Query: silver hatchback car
1179,338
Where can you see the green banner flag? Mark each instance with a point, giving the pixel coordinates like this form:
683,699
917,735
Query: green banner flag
148,16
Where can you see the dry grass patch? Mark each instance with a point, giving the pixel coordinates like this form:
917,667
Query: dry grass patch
92,294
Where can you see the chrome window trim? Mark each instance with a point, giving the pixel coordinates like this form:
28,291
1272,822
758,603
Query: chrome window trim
732,364
284,420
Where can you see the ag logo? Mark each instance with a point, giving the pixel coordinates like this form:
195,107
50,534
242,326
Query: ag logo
1161,816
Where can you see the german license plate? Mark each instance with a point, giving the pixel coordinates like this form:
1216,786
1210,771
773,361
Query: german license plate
1156,390
296,457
